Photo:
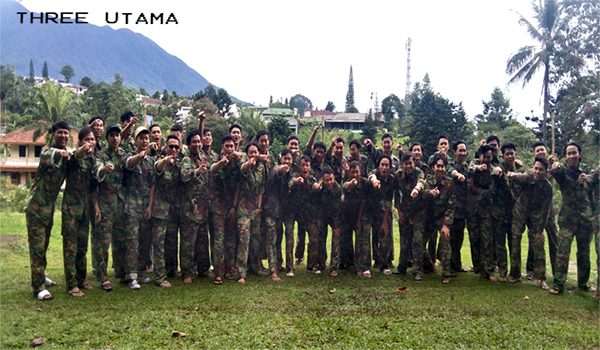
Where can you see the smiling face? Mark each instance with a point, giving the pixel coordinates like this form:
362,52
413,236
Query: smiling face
252,151
442,145
486,158
293,145
417,152
408,166
89,138
387,144
207,139
573,156
173,146
328,180
461,152
509,155
339,149
98,128
539,172
439,168
195,143
287,159
263,143
228,147
540,151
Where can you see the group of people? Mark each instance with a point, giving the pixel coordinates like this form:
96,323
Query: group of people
172,207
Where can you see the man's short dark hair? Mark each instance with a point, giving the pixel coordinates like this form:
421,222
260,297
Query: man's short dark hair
93,119
83,132
176,127
456,144
174,137
319,145
339,139
538,144
356,143
483,149
226,138
191,134
153,126
284,152
544,161
442,136
125,117
250,145
261,133
233,126
436,157
306,158
572,143
415,145
508,146
354,164
492,138
383,156
206,131
59,125
292,137
387,135
328,170
406,157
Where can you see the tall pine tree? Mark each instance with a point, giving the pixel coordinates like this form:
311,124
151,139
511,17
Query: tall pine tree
350,95
45,70
31,72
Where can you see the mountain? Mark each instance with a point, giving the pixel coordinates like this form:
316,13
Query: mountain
93,51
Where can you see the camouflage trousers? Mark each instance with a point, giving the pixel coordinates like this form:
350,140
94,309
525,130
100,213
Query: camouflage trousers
38,237
535,235
75,235
301,241
444,251
249,231
362,243
406,237
430,241
474,242
383,245
111,225
313,228
457,235
582,232
145,247
483,226
159,232
417,244
597,234
194,245
346,247
272,225
502,237
126,245
172,241
336,244
552,233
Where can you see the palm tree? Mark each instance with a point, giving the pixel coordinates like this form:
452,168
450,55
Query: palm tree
52,106
529,59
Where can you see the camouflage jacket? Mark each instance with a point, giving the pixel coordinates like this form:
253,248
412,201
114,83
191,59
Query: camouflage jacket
79,185
362,160
225,182
252,186
302,197
406,183
337,165
357,200
383,197
440,208
483,188
276,200
330,201
110,183
48,179
195,188
464,200
505,200
576,206
167,192
535,197
138,182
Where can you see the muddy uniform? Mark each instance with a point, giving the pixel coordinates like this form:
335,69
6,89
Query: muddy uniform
276,213
461,209
382,200
305,211
411,219
330,203
358,212
440,211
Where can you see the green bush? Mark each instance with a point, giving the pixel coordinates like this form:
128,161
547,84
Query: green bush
13,197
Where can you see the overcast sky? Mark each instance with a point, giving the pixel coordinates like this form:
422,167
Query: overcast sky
255,49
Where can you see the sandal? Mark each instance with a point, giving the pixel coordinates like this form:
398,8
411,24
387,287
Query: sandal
366,274
106,286
165,284
242,280
44,295
85,285
554,291
445,280
275,278
218,281
76,292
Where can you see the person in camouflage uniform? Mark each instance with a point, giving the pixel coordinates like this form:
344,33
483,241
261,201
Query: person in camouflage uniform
39,213
305,211
110,227
384,183
194,227
269,160
139,179
276,208
253,178
441,199
128,121
416,150
502,209
458,171
531,209
75,216
165,200
411,215
225,175
358,213
484,177
575,219
594,184
539,150
328,197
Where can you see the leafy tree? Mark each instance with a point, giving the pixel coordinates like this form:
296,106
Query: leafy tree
301,103
86,81
165,96
223,101
391,107
496,113
350,95
251,122
279,129
109,101
156,95
143,91
370,127
31,72
45,70
330,106
68,72
431,115
53,104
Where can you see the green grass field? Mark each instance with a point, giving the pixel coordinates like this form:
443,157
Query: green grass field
307,311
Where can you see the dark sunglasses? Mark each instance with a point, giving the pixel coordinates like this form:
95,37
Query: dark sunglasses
173,147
